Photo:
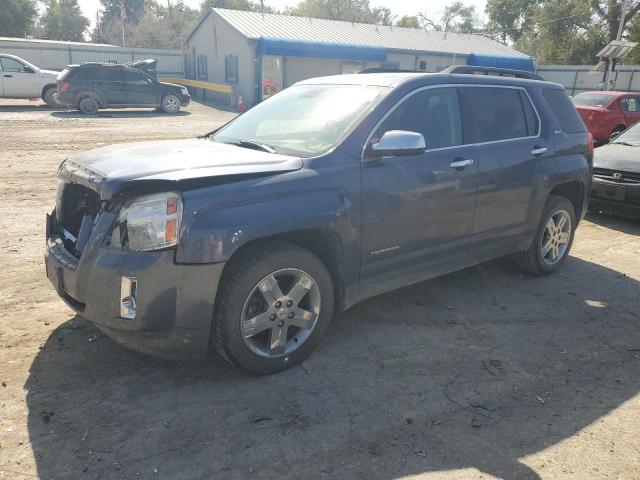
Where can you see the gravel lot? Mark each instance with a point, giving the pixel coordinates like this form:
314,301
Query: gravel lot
485,373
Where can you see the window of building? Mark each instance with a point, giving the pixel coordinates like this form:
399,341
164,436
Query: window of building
201,66
500,114
110,75
231,69
422,65
434,112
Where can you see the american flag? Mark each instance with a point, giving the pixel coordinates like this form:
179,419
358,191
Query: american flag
123,11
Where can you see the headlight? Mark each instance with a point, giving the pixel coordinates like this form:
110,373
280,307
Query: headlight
153,221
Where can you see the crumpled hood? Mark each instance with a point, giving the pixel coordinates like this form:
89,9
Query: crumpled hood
620,158
107,169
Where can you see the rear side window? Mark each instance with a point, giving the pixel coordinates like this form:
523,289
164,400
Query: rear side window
110,75
502,114
82,74
564,111
434,112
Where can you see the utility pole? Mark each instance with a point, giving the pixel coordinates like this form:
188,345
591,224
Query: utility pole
623,14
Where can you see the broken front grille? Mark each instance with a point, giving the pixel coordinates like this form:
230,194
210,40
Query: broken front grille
76,210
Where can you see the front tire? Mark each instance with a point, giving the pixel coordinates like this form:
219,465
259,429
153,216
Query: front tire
273,306
48,97
170,104
553,240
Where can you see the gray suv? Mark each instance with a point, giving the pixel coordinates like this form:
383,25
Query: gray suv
332,191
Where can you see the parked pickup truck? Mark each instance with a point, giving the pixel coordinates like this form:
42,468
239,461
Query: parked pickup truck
21,79
329,192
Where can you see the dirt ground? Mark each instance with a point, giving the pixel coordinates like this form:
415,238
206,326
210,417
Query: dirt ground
485,373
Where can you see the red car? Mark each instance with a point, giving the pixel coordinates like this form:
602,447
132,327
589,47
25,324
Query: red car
606,114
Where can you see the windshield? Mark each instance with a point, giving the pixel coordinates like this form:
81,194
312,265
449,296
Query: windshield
592,100
630,136
303,120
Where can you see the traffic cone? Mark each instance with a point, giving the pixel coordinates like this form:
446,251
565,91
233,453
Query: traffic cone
240,104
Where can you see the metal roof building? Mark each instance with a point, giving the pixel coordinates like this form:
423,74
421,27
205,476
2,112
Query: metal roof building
261,54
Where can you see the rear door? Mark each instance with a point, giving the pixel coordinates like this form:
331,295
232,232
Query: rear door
507,132
418,210
111,87
19,80
141,89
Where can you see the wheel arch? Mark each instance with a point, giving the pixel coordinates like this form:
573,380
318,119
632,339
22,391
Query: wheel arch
47,87
84,93
574,191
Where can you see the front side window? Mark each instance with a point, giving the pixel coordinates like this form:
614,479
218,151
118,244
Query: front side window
110,75
434,112
137,78
631,104
11,65
500,114
304,120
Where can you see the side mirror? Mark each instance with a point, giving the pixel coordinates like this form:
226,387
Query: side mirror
399,143
29,69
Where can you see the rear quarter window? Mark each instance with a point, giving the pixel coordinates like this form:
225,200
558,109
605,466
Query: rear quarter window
564,111
82,74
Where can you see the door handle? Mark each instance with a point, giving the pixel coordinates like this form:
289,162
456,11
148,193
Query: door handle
460,164
8,76
538,151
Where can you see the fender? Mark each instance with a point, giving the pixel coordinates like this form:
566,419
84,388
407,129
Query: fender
214,233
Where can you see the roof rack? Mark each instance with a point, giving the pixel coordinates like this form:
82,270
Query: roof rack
386,70
499,72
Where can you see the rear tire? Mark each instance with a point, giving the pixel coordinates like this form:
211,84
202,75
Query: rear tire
265,327
48,97
88,105
553,239
170,104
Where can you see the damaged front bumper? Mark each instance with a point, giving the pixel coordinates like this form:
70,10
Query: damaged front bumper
143,300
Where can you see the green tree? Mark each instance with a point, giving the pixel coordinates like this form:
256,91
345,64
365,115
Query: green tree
457,17
247,5
17,17
357,11
162,27
63,20
508,18
610,12
408,21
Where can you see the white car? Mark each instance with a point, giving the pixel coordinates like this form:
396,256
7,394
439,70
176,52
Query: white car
21,79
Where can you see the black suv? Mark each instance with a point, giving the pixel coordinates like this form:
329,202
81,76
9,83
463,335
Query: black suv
332,191
91,86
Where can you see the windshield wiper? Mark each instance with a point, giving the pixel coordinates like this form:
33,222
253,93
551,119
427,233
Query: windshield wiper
625,143
253,145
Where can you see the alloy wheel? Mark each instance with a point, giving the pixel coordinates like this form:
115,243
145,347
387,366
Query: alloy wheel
274,323
556,237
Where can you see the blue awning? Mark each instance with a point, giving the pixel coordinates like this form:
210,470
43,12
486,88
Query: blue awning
496,61
305,48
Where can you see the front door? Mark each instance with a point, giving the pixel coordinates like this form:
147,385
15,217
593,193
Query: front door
631,107
19,80
141,89
110,84
418,210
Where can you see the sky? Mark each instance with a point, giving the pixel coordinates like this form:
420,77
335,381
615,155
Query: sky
400,7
